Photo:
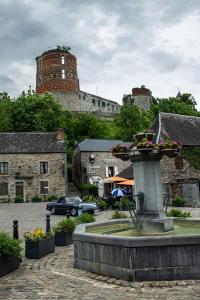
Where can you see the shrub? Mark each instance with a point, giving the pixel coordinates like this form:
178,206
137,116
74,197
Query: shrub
66,225
122,204
89,198
102,204
178,201
177,213
10,246
36,198
85,218
19,199
90,189
118,215
52,197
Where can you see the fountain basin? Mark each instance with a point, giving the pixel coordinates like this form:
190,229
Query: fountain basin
139,258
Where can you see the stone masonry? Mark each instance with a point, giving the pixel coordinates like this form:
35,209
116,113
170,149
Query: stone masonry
32,163
25,169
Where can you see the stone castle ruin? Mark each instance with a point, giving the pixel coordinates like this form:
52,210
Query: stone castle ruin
57,74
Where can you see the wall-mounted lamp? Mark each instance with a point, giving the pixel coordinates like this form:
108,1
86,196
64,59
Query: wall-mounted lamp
91,158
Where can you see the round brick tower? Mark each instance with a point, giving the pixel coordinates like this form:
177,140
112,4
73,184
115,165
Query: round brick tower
57,72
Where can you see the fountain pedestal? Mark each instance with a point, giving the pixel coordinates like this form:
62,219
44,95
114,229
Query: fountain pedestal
149,206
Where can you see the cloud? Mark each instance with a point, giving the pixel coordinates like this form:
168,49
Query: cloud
118,44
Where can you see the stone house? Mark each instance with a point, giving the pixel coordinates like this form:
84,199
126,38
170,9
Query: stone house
92,161
178,174
32,163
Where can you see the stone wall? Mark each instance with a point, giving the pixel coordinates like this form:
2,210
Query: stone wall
85,102
26,168
170,173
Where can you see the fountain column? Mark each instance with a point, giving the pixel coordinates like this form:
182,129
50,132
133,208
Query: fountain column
148,190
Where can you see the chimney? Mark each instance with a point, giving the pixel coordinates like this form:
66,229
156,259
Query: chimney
60,135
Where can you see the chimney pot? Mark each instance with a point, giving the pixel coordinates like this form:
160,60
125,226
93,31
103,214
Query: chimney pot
60,135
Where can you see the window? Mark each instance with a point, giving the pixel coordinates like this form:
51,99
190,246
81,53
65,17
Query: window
44,187
63,74
3,188
103,104
93,101
99,102
3,168
62,59
110,171
43,167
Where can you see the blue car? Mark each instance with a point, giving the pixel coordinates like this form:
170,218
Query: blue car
72,204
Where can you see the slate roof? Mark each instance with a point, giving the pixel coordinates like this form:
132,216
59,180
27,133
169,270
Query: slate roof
98,145
127,172
30,142
180,128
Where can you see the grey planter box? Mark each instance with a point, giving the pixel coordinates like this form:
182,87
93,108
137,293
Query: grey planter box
39,248
63,238
8,264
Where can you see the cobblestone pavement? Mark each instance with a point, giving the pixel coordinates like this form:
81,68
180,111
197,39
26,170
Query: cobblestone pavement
53,276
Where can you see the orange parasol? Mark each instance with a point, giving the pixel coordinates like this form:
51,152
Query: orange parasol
127,182
113,179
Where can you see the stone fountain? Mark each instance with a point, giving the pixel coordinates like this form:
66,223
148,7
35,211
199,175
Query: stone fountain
158,256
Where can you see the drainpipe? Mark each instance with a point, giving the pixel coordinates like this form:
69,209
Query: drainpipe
65,173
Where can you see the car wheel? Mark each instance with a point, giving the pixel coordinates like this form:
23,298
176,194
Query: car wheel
73,212
53,211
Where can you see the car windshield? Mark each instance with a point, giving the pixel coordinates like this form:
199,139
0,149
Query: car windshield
74,200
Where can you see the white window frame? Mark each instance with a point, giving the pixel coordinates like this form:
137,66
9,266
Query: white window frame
62,59
63,74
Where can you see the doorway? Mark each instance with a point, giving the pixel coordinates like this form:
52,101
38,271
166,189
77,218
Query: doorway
19,189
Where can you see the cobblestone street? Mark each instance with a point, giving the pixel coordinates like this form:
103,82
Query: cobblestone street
53,277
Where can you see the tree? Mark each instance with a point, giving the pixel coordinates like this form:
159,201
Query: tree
5,114
184,105
31,112
87,125
130,121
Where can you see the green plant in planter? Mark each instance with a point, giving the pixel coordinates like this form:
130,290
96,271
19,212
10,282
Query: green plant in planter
37,234
102,204
66,225
9,246
85,218
177,213
63,232
52,198
178,201
19,199
119,215
36,198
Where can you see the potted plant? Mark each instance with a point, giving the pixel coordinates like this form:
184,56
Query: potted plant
169,148
63,231
145,146
38,243
121,151
10,253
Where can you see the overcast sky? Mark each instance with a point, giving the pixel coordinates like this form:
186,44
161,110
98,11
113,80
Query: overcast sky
118,44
